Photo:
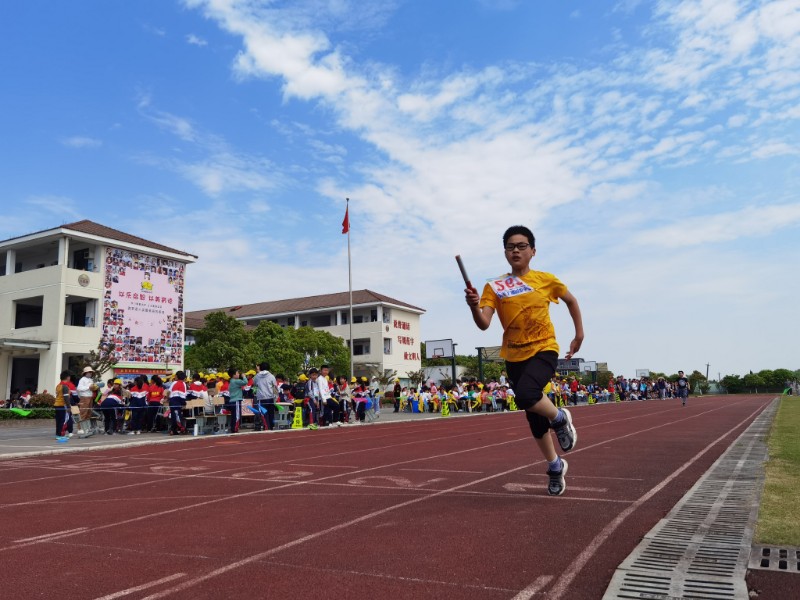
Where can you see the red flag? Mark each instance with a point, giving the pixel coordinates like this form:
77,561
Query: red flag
346,222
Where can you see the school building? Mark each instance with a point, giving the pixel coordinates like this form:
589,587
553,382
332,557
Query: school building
386,331
65,291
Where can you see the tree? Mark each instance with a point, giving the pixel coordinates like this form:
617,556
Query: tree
753,381
416,377
276,345
221,344
321,348
102,359
695,378
603,377
732,383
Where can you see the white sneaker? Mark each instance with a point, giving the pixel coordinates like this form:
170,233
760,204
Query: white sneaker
69,434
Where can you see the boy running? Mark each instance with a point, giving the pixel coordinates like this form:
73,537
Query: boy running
522,302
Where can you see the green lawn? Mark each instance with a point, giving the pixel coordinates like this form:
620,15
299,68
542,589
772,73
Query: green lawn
778,522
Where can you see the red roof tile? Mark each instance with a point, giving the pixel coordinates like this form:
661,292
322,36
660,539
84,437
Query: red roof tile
275,307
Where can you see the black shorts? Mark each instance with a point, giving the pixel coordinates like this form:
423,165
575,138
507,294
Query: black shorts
528,380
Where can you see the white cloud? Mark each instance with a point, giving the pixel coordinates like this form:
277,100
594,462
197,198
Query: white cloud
752,221
575,150
58,206
81,141
194,40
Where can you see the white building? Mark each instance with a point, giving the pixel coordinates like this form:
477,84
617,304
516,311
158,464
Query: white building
65,289
386,331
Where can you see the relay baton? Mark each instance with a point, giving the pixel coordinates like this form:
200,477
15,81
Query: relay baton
463,272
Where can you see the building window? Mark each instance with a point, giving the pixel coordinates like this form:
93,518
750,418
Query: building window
303,323
321,321
387,315
345,316
358,318
28,312
80,312
360,347
387,345
373,315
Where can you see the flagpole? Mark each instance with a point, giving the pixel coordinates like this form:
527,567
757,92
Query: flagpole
350,286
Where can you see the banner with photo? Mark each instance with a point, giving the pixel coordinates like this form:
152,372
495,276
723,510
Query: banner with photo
143,307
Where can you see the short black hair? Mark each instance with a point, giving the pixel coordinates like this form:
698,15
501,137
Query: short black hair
180,375
65,375
232,372
264,366
519,230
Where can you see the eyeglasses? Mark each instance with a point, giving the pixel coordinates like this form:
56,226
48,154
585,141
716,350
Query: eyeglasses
521,246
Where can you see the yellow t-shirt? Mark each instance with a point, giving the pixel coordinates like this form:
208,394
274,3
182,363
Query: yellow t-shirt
523,306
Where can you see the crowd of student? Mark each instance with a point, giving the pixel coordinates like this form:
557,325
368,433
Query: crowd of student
569,391
149,405
468,395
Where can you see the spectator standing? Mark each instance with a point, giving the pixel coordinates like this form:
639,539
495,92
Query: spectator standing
62,406
266,390
683,387
87,390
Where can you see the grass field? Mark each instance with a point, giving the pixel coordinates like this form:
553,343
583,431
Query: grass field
777,518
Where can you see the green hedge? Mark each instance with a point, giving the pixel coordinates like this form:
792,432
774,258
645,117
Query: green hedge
36,413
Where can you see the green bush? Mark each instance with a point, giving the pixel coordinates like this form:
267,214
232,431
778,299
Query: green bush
43,400
36,413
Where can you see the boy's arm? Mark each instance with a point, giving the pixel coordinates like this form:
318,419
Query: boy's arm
481,316
575,313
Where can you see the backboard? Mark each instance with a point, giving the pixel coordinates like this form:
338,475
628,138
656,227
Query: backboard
439,349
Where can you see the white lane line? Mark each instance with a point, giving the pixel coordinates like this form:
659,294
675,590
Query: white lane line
578,563
444,471
319,533
534,588
326,466
139,588
57,465
45,536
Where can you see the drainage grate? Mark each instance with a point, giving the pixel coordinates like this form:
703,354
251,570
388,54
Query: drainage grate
701,548
771,558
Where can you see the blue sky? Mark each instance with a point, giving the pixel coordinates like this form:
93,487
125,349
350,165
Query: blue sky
651,146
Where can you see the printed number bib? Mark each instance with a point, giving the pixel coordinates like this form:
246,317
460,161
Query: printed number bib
506,287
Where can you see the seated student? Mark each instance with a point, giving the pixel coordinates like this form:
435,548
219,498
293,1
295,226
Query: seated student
316,393
424,399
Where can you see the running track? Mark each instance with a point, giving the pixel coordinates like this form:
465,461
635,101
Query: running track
446,508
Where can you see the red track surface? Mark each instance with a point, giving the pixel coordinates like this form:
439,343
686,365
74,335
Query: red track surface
452,508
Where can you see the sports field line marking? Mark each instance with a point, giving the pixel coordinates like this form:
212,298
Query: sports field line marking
144,586
211,474
49,535
259,491
56,464
325,466
534,588
444,471
312,536
310,568
578,563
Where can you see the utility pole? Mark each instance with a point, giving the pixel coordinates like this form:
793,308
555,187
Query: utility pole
707,366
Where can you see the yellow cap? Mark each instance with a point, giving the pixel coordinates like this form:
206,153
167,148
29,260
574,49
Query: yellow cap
302,377
353,380
118,381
